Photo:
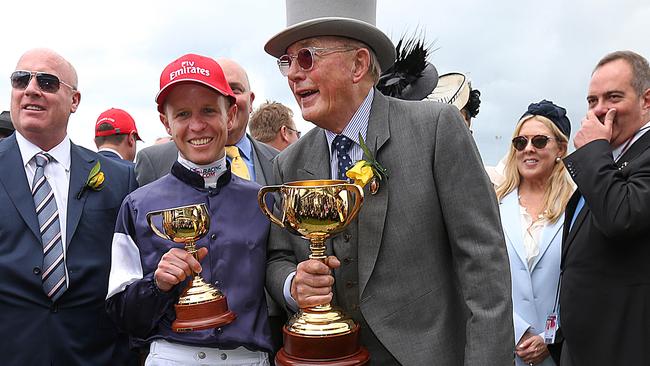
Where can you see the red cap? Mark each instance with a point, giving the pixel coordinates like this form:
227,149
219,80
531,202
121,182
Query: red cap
195,68
122,122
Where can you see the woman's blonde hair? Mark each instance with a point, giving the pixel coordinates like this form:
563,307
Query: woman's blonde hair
559,186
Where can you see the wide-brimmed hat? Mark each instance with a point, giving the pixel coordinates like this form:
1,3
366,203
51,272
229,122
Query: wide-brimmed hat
344,18
412,77
453,88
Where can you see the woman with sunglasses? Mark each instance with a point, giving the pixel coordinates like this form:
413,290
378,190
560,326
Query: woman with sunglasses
532,200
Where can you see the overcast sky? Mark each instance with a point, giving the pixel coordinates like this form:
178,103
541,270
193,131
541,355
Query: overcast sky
515,51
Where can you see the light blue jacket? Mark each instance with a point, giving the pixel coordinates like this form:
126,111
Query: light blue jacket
534,290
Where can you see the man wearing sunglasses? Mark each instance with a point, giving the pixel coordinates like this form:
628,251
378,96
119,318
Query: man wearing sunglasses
604,303
57,226
424,268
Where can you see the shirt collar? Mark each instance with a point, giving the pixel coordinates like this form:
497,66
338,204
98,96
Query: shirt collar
111,150
60,153
358,123
245,147
616,153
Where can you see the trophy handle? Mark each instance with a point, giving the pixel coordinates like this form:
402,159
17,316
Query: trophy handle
154,227
358,200
260,200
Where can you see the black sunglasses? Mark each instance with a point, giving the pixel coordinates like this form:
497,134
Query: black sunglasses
46,82
305,57
538,141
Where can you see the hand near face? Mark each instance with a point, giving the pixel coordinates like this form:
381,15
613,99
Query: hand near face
592,129
175,266
313,282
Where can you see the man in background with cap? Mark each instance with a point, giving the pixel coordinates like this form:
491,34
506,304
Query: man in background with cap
424,268
197,108
155,161
116,135
6,127
57,226
604,297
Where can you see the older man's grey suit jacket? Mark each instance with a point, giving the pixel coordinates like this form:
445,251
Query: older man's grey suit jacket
433,274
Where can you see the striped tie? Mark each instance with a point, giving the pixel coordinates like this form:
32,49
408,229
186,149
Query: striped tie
53,275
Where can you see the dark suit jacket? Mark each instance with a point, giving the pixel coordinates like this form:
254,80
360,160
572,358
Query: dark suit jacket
605,295
430,244
155,161
75,330
115,157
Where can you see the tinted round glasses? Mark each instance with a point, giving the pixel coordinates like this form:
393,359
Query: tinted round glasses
47,82
538,141
305,57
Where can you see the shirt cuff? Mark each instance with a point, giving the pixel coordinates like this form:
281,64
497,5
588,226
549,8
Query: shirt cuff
286,290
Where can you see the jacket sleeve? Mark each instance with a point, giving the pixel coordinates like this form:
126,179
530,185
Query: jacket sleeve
134,302
614,196
473,224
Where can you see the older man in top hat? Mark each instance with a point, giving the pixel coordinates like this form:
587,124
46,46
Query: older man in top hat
424,268
6,127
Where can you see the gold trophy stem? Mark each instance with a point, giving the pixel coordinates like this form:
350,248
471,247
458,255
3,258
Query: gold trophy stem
190,247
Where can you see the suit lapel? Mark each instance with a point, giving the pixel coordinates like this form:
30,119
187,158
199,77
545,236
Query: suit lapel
317,158
635,150
373,213
80,166
16,184
511,221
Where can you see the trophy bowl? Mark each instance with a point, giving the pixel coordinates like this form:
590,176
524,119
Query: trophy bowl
201,305
317,210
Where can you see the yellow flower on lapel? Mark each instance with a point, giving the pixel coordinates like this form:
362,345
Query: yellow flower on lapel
95,180
361,172
368,169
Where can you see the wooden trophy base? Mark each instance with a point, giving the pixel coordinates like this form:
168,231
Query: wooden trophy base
336,350
205,315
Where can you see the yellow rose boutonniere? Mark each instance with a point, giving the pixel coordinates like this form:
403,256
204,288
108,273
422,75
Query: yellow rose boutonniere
367,170
95,180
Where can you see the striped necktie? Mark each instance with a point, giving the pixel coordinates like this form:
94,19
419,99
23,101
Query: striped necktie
53,275
237,163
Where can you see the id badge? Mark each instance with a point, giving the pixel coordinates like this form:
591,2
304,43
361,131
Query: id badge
550,329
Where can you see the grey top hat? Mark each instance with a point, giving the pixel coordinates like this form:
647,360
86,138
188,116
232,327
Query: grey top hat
344,18
5,122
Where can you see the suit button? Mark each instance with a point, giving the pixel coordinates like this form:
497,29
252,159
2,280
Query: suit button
36,271
219,330
347,260
54,308
347,237
350,284
223,356
213,236
201,355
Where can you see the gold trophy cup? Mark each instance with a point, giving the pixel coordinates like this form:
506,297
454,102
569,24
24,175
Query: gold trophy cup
317,210
201,305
